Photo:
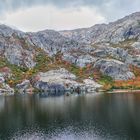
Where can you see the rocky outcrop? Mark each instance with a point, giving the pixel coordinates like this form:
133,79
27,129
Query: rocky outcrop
91,85
114,68
15,54
53,42
136,45
5,89
24,87
79,60
118,53
14,46
62,80
6,72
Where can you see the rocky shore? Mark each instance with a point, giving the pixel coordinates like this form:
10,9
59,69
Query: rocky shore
54,82
63,80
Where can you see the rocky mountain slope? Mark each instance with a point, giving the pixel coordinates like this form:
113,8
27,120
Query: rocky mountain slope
100,52
115,32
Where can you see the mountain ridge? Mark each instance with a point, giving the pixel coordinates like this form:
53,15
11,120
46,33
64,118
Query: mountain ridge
102,51
106,27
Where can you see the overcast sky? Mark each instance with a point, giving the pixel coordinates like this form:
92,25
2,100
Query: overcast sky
35,15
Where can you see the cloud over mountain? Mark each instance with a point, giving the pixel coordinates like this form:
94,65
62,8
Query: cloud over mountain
105,10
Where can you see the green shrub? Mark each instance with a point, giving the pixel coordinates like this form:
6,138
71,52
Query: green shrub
106,79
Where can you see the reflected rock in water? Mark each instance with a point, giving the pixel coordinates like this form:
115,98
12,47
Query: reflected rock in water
2,101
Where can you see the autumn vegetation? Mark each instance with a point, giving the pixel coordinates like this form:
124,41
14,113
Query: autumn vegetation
45,63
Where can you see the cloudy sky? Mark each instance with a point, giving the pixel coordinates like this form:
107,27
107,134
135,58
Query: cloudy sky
35,15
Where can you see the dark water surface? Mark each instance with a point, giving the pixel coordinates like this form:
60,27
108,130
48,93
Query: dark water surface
85,117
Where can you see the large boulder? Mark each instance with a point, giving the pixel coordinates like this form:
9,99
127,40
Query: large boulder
91,85
114,68
61,80
60,76
5,89
24,87
50,89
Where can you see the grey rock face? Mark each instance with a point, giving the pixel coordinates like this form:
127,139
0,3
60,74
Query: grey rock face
136,45
118,53
63,80
53,42
6,31
80,61
18,56
83,60
85,35
2,80
14,47
134,60
125,28
107,51
5,89
100,53
50,89
115,69
23,87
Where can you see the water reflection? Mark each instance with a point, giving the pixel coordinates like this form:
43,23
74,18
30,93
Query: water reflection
91,116
1,103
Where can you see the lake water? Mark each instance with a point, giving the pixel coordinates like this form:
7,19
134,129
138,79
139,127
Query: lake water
84,117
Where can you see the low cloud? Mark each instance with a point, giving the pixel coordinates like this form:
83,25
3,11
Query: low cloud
50,17
23,13
113,5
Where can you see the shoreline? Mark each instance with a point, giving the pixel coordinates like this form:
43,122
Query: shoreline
124,91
